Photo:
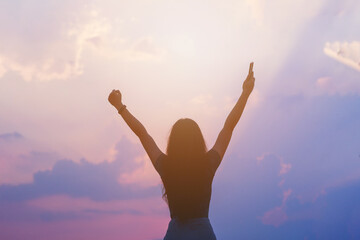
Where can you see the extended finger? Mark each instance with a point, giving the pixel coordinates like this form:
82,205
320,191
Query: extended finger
251,67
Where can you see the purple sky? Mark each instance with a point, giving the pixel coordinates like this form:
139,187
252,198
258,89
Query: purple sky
71,169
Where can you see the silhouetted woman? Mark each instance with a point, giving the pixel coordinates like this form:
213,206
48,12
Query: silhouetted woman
187,169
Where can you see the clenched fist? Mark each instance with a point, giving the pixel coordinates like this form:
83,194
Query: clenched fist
115,99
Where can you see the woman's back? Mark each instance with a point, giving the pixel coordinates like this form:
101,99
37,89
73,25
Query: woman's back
188,186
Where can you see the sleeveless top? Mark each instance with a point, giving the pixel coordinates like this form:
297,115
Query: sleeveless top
194,203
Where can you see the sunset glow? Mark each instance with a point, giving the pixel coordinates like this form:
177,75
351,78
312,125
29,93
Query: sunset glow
71,169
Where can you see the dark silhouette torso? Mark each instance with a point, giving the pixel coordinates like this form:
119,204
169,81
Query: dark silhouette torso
189,195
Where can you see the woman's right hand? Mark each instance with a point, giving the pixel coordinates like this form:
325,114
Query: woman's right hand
249,82
115,99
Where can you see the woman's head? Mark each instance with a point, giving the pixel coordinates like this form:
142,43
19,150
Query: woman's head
186,141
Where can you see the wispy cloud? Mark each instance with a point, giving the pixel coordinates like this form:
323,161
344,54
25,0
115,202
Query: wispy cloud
10,136
53,43
347,53
144,49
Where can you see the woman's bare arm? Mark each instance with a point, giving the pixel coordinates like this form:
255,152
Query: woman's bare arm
135,125
225,134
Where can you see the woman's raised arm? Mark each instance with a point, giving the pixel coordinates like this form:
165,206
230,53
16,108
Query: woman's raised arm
225,134
135,125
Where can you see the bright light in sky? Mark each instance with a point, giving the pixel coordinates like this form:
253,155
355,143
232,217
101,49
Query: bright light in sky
294,149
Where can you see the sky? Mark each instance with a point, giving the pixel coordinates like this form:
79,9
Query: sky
70,168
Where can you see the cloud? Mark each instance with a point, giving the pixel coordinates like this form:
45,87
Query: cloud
317,135
143,49
335,214
125,154
10,136
284,167
277,216
268,210
84,179
50,45
84,192
335,86
82,197
21,157
277,195
347,53
306,61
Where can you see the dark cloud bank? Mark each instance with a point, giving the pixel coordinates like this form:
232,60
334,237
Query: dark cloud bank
236,212
84,179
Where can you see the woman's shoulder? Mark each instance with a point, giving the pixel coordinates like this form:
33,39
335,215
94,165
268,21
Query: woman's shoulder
160,162
214,159
212,153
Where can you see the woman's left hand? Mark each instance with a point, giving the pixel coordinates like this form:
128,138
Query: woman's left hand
249,82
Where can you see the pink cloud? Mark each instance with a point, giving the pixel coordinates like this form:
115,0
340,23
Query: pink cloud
285,168
275,217
334,86
286,195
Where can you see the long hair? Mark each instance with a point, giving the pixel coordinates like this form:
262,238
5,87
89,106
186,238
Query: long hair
186,149
185,141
